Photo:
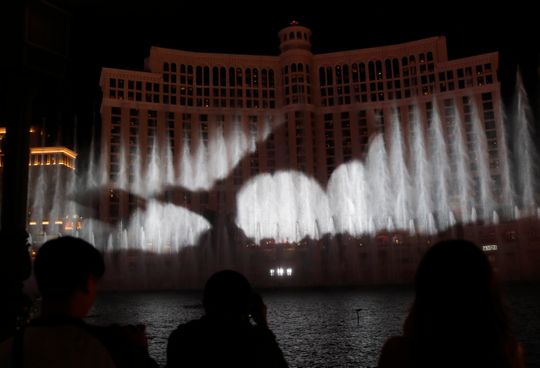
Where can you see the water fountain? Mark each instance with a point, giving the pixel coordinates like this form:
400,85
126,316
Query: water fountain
419,184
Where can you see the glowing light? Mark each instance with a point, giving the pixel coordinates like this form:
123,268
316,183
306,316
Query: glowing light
281,272
32,223
45,222
58,149
58,222
489,247
3,130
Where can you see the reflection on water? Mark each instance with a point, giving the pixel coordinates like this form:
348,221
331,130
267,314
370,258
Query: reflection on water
315,328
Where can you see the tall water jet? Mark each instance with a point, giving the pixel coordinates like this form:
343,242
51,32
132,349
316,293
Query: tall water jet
92,173
379,184
219,165
348,198
121,181
525,152
185,169
439,168
154,169
420,174
481,174
137,186
168,154
400,175
461,177
506,196
202,177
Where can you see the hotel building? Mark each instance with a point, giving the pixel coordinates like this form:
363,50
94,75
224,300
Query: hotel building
327,105
322,110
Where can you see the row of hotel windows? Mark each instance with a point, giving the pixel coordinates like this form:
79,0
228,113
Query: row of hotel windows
377,81
133,90
465,77
358,82
339,84
219,87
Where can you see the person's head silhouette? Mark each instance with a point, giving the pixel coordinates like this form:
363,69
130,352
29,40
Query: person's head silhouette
458,311
452,274
67,270
227,294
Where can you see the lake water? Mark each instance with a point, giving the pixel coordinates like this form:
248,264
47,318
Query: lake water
315,328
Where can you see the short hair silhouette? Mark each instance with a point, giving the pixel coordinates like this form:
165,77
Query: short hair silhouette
225,336
227,292
63,266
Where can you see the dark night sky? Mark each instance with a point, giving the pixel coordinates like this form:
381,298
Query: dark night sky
120,35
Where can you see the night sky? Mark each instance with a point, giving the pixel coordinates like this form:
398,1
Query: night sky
118,34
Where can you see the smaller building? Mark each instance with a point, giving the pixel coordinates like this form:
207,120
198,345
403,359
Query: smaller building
51,177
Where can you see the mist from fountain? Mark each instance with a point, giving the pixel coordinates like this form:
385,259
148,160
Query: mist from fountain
525,153
413,179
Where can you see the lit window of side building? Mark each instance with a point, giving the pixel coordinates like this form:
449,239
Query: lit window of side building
308,112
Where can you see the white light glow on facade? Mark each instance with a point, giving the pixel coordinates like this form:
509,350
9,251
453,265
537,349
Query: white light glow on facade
281,272
489,247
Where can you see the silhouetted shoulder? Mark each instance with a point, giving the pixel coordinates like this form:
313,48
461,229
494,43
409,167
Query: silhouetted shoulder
189,331
56,346
268,349
201,343
395,353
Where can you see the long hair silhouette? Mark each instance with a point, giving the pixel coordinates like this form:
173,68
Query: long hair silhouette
458,316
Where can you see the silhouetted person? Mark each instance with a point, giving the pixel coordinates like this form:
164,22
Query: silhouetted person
15,267
67,271
457,318
224,336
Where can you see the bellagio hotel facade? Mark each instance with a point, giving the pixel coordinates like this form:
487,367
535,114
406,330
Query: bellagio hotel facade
329,105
